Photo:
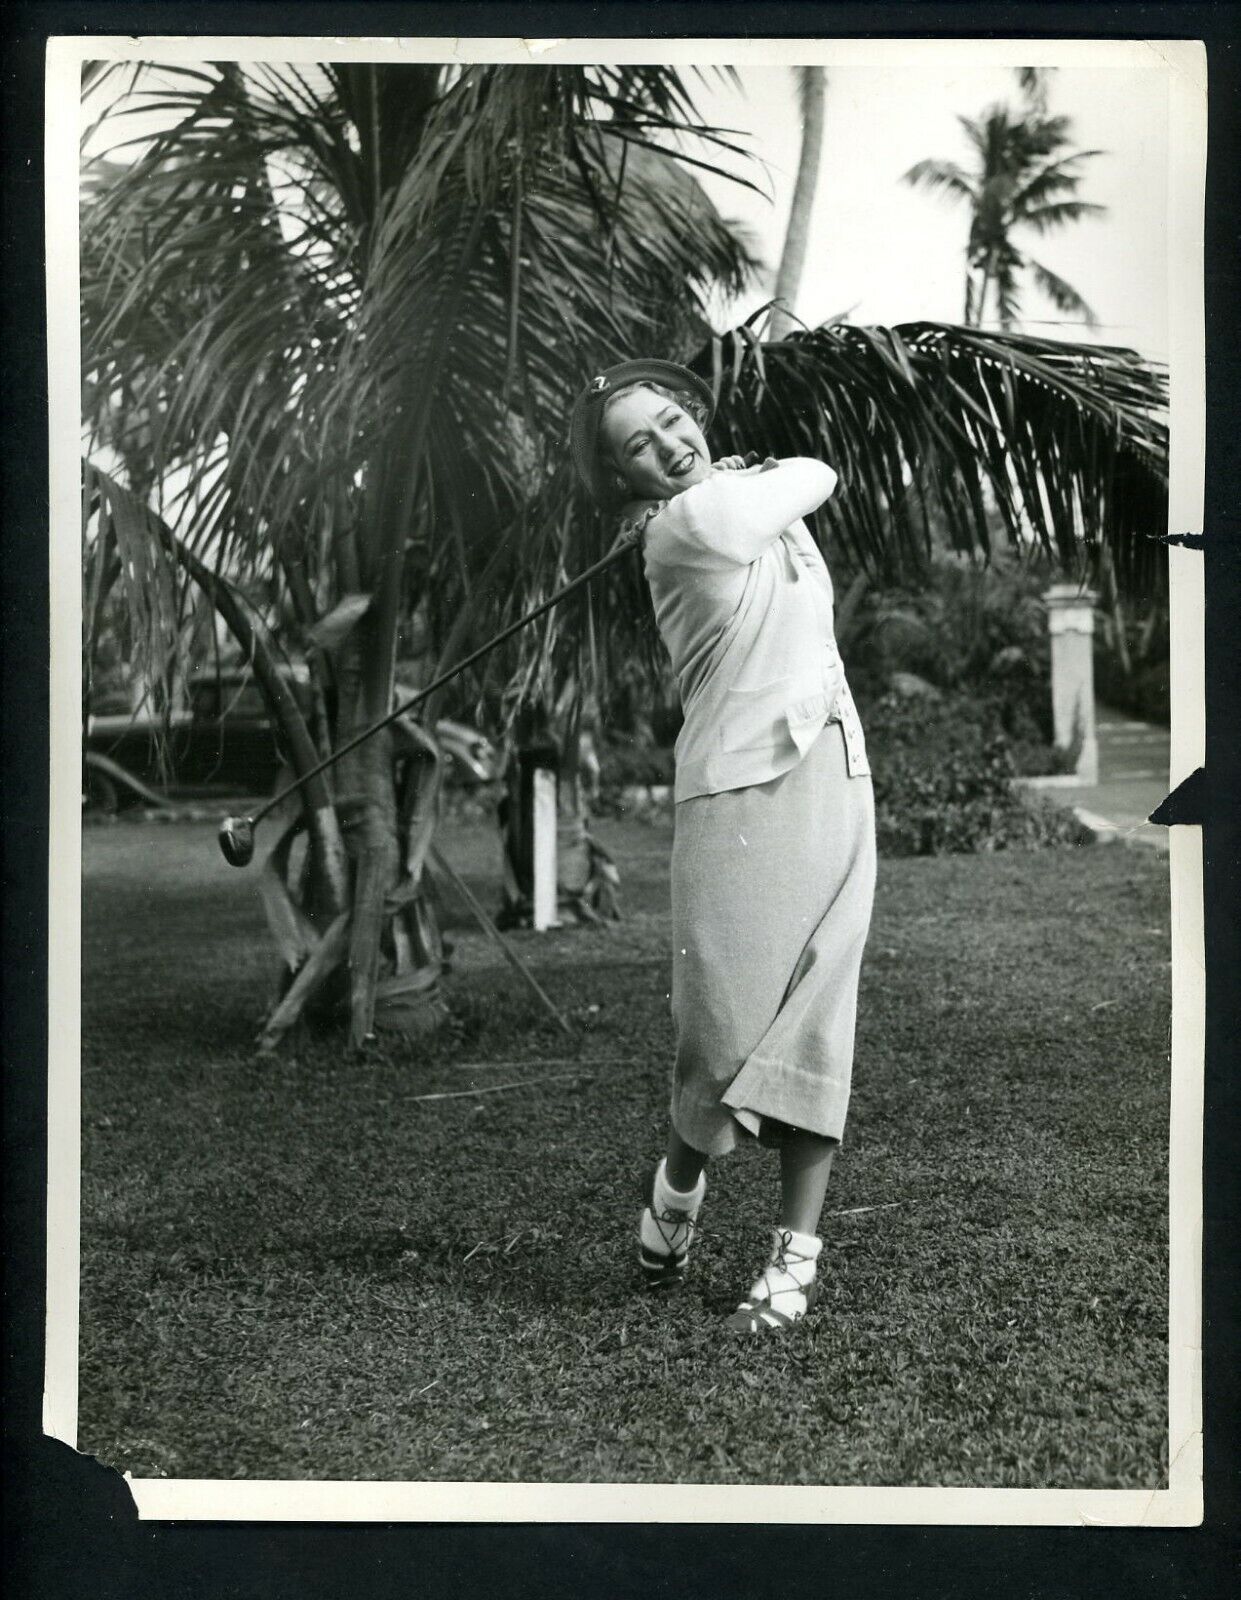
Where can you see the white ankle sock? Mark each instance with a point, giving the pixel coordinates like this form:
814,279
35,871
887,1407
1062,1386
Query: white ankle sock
667,1198
783,1283
665,1237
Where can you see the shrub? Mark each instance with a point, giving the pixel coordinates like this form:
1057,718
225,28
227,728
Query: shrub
943,781
1131,646
1144,692
943,774
626,763
964,627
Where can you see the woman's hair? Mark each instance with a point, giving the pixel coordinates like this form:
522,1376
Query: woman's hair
689,403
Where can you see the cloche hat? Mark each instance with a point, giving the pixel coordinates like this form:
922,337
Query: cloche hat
588,408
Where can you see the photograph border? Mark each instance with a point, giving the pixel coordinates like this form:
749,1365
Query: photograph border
1187,755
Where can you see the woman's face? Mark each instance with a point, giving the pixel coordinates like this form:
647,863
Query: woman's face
655,444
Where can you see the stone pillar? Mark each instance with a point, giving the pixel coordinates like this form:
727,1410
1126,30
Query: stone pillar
545,871
1070,622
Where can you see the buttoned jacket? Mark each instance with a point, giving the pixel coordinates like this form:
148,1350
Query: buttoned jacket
744,604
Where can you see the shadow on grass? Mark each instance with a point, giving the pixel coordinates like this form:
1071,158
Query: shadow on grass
298,1268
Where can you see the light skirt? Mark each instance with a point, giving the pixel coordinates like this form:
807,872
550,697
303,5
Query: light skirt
772,888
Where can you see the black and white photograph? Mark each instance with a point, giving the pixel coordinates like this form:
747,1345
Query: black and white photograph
612,606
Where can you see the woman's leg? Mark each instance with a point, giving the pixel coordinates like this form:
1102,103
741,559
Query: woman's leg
669,1219
805,1166
684,1164
785,1289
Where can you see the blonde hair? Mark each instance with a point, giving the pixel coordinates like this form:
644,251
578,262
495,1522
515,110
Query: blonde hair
689,403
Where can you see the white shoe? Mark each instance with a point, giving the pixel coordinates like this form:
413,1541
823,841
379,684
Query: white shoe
666,1230
786,1288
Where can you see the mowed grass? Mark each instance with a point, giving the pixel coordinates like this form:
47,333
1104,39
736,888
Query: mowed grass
296,1268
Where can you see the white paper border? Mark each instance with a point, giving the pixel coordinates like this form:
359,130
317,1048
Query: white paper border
296,1500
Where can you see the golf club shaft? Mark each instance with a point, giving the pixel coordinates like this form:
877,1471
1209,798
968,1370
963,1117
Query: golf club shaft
583,578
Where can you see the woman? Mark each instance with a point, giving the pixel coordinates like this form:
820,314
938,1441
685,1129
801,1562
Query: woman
773,861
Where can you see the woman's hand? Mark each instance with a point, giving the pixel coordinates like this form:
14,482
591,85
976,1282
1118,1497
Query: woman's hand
750,462
731,517
634,519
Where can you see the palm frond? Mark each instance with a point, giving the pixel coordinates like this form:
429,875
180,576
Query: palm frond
336,343
1034,83
1049,179
313,312
1067,443
267,273
1058,214
1061,294
944,176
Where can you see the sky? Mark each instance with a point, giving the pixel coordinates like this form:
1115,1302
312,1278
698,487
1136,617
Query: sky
884,252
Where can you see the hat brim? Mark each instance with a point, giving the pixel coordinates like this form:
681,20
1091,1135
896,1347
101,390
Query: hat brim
588,409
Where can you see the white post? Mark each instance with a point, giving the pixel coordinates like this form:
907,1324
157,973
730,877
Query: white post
1070,622
545,866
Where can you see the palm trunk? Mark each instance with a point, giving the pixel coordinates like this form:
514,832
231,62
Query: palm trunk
394,491
977,287
813,89
984,286
321,820
368,770
306,612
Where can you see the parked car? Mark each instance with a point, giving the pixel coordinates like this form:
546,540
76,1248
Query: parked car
224,744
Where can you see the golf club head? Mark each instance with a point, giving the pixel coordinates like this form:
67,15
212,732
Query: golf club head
236,838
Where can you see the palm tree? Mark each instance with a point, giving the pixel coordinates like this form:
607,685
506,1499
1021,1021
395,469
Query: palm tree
340,304
347,308
1035,86
812,93
1025,176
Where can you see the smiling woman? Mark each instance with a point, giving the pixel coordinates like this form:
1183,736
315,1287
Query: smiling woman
774,855
654,442
629,424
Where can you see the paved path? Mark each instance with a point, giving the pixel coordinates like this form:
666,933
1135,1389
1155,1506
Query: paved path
1133,779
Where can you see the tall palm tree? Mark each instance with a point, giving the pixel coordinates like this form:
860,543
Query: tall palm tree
348,308
340,302
812,96
1025,176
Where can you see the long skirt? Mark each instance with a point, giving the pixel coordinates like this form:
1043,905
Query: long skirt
772,888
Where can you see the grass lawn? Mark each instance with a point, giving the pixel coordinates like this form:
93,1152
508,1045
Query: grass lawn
294,1268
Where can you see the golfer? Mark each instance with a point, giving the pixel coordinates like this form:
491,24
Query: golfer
773,860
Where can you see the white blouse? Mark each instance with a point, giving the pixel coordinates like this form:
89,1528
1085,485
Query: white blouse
744,604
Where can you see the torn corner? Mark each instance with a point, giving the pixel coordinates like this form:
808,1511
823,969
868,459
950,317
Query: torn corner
1185,804
75,1477
1187,541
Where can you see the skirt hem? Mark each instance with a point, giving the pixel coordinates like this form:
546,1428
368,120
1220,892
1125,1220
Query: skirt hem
770,1131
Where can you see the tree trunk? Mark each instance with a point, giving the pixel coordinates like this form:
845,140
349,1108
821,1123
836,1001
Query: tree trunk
393,492
812,85
321,820
306,612
372,913
394,977
977,287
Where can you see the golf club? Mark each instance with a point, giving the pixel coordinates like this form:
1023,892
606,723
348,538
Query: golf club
236,834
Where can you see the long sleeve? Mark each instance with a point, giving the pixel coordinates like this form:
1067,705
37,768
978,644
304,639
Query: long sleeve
729,519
